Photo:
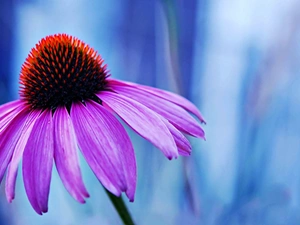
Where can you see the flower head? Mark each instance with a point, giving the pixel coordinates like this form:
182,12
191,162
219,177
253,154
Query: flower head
68,102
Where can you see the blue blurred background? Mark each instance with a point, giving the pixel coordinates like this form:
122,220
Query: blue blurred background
237,60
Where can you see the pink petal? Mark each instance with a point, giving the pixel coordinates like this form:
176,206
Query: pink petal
106,147
8,107
17,155
143,121
183,145
9,111
9,137
65,155
38,161
172,97
177,116
184,152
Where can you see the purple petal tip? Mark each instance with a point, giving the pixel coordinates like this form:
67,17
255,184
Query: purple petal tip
38,212
82,201
172,157
45,210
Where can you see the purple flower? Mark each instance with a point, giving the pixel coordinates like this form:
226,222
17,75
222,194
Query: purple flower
68,102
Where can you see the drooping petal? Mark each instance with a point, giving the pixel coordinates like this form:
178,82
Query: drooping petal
9,138
17,155
177,116
183,145
65,155
38,161
142,120
184,151
9,111
6,108
106,147
125,150
172,97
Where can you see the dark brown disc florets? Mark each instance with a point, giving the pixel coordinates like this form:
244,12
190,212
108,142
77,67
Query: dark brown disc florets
60,70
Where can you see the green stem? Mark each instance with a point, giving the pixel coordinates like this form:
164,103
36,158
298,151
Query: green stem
121,208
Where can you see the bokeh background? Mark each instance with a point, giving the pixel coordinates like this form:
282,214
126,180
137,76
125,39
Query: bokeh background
237,60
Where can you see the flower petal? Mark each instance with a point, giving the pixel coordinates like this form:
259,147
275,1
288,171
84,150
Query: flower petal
17,155
142,120
9,137
38,161
183,145
106,147
8,107
125,152
9,111
172,97
177,116
65,155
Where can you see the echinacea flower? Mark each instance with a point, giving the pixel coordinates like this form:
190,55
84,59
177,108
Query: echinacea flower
68,102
